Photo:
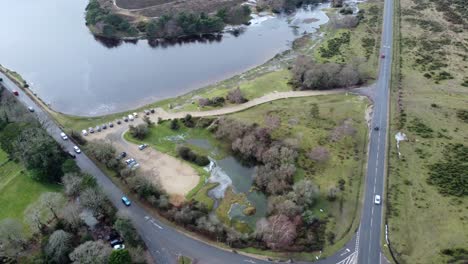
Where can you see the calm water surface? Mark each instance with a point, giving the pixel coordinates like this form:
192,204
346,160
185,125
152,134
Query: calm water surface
47,42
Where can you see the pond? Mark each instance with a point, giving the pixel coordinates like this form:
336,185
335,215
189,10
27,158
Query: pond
47,42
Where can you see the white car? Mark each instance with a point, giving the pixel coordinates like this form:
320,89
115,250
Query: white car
63,136
119,246
77,149
84,132
135,114
131,118
377,199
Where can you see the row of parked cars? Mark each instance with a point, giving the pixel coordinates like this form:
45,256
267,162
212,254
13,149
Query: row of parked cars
130,117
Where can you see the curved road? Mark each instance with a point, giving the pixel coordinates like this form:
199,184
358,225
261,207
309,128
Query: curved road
165,243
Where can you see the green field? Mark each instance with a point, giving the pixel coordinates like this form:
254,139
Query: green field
17,189
422,221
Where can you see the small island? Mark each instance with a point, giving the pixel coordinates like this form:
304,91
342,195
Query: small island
169,19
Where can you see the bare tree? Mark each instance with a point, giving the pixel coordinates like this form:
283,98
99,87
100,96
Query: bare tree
91,252
94,200
272,121
58,246
305,193
34,218
280,232
72,184
12,237
319,154
236,96
349,75
52,201
71,215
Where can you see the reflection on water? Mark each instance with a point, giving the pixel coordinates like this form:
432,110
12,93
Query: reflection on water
80,74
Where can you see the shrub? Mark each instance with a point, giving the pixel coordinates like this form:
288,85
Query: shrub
236,96
174,124
140,131
187,154
462,114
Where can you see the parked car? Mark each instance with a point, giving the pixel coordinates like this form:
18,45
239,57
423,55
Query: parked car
30,109
152,111
130,161
119,246
111,124
98,129
143,146
72,155
77,149
104,126
119,122
126,201
377,199
131,118
91,130
15,92
134,166
63,136
135,114
122,155
84,132
147,112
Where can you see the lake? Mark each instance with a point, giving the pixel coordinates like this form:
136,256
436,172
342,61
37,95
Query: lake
47,42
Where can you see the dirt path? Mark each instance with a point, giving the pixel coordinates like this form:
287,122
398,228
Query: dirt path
177,177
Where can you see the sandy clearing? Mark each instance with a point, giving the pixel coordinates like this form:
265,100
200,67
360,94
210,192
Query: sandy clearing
175,176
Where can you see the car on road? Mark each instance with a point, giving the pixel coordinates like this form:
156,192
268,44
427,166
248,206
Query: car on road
91,130
15,92
126,201
143,146
382,56
77,149
30,109
84,132
377,199
63,136
72,155
376,128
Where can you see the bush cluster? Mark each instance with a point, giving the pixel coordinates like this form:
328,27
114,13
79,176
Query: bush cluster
187,154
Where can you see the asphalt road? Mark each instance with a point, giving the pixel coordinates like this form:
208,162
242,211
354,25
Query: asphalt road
369,234
165,243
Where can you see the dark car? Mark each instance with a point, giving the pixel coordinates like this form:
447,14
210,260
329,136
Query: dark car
126,201
382,56
15,92
376,128
152,111
119,122
111,124
122,155
125,119
72,155
104,126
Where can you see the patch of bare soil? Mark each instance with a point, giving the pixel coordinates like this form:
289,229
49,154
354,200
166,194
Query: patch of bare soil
175,176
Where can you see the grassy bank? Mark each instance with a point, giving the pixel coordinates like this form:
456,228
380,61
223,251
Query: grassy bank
426,98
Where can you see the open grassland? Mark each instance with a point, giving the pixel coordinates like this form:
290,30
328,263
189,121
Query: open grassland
18,189
345,45
426,101
347,155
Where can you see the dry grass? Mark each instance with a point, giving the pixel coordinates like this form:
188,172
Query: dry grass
422,221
